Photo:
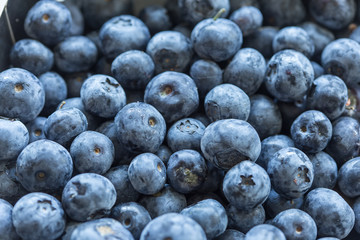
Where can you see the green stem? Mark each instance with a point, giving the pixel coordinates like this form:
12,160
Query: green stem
219,13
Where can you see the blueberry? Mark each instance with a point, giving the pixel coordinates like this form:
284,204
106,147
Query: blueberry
63,125
48,21
217,40
228,142
319,35
7,228
261,40
294,38
227,101
74,81
38,216
102,96
77,24
186,170
44,165
265,232
231,234
76,102
264,116
101,229
329,95
173,226
133,69
31,55
282,12
334,14
97,12
248,18
123,33
122,155
195,11
13,139
140,127
345,140
170,51
22,95
164,153
211,216
318,69
55,91
173,94
166,201
185,134
289,75
311,131
276,204
132,216
291,172
246,70
206,75
246,185
342,58
10,189
156,18
88,196
147,173
244,220
119,177
348,180
92,152
35,129
271,145
75,54
331,213
325,170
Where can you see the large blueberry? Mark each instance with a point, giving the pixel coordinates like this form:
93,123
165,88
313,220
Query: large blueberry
211,216
31,55
170,50
331,213
329,95
228,142
227,101
173,94
244,220
123,33
173,226
44,165
216,39
271,145
296,224
75,54
88,196
311,131
342,58
14,137
289,75
101,229
22,95
246,185
132,216
140,127
48,21
147,173
92,152
291,172
246,70
63,125
102,96
133,69
186,170
166,201
265,116
38,216
119,177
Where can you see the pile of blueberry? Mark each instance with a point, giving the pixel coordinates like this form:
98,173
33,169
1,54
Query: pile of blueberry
195,119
